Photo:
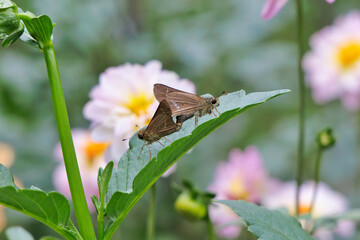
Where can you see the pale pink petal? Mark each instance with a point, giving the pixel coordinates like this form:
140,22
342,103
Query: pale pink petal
272,7
170,171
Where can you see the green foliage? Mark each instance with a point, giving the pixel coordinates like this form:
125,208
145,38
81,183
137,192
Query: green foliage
16,233
52,209
103,179
136,173
10,27
268,224
40,28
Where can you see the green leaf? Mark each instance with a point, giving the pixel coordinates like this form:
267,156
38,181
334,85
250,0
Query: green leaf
48,238
16,233
267,224
40,28
52,209
135,175
104,179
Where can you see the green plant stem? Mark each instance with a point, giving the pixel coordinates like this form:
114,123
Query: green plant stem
72,169
301,83
151,216
101,218
316,176
210,229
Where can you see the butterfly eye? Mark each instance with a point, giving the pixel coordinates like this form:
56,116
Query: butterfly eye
214,101
141,136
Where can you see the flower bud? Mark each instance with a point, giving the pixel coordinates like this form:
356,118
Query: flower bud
190,207
10,27
325,138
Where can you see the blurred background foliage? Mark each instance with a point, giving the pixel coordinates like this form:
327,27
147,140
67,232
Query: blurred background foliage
219,45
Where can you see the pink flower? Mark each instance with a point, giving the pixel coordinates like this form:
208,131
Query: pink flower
90,156
272,7
124,101
243,177
7,158
328,203
333,66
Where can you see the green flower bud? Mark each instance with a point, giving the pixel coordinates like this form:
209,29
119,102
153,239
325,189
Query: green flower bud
325,138
190,207
10,26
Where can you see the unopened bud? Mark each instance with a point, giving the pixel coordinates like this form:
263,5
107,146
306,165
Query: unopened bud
326,138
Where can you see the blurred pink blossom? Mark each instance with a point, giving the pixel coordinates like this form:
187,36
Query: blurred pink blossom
7,158
90,156
332,66
328,203
243,177
123,101
272,7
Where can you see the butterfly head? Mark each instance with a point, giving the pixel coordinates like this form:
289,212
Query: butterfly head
215,102
141,134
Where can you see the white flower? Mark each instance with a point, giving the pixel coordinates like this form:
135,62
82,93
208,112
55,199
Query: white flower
124,101
332,66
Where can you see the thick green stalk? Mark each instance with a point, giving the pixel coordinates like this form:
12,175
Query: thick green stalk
210,229
72,169
151,216
301,83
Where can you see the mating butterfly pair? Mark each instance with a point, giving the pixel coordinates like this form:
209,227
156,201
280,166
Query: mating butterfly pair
174,103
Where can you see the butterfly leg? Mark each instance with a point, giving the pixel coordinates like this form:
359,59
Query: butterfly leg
149,151
213,113
196,120
167,139
141,151
217,111
161,143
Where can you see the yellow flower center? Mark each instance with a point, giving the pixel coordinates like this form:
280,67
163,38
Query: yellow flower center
138,104
237,189
94,150
304,209
349,54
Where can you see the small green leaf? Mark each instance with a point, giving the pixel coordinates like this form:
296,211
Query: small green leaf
40,28
135,175
267,224
104,179
16,233
52,209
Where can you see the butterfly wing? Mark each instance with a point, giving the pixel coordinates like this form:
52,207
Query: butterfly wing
182,103
161,124
161,90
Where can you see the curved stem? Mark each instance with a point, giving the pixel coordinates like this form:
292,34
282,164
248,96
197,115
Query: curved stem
301,83
72,169
210,229
151,216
